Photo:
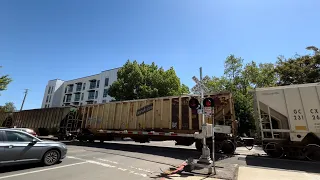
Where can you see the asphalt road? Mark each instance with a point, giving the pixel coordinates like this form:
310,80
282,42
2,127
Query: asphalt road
129,160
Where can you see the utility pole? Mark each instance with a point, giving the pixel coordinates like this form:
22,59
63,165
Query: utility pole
24,98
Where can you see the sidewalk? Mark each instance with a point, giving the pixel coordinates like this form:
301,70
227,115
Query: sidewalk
179,177
253,173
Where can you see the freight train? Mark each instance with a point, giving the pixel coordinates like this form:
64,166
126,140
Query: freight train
143,120
288,119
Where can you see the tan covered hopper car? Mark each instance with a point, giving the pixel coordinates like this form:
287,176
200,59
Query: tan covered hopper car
165,118
43,121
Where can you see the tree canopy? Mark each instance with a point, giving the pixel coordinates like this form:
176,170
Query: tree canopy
8,107
4,81
298,70
139,81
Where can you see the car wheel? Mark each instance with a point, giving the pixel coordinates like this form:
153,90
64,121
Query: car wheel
51,157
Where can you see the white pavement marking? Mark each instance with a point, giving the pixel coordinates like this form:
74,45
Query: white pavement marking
106,160
107,165
75,151
48,169
145,170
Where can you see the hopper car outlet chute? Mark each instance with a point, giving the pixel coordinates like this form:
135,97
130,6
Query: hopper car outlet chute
289,120
165,118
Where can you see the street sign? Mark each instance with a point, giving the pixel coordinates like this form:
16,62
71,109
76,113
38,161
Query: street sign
196,80
199,84
208,111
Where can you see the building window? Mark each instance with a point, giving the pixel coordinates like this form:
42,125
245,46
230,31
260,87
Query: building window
70,88
96,95
45,106
95,102
98,83
49,90
68,98
92,84
104,101
106,82
82,95
47,99
77,97
80,104
84,86
91,95
105,92
90,102
79,87
64,98
52,89
65,90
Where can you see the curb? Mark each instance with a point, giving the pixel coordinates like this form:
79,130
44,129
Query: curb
235,177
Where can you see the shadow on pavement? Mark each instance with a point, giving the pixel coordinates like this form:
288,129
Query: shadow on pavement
19,167
284,164
176,153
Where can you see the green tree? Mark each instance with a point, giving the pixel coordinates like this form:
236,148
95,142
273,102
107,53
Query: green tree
299,69
4,81
8,107
184,89
139,81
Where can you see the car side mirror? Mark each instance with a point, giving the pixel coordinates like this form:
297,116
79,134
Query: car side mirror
34,141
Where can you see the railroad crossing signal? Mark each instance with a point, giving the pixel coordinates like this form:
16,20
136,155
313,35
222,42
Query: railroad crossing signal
199,84
194,103
208,102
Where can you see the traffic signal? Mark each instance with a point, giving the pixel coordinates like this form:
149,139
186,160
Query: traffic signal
194,103
208,102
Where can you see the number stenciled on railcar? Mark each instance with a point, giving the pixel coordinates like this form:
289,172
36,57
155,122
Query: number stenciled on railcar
315,117
295,111
314,111
315,114
298,115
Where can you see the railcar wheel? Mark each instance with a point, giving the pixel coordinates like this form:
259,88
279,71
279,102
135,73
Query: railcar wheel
228,147
313,152
274,150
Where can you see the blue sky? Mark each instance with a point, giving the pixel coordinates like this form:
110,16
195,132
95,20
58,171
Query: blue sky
43,40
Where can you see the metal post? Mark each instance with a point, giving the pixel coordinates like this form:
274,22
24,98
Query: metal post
213,157
205,157
202,116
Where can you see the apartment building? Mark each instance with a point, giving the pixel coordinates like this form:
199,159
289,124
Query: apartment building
86,90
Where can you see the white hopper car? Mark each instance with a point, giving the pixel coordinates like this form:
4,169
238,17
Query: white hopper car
289,120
